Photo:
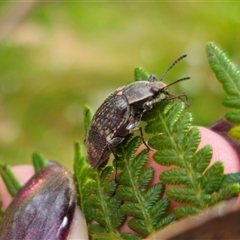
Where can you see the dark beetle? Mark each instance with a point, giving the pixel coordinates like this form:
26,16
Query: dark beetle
121,112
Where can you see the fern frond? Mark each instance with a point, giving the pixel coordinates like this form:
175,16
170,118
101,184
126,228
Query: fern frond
143,203
195,184
95,190
177,145
229,76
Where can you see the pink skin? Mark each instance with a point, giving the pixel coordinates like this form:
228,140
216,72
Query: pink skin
222,150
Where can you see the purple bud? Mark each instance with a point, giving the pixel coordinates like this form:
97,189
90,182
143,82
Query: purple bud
44,207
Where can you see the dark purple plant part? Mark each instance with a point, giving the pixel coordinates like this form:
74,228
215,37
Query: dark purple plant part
44,207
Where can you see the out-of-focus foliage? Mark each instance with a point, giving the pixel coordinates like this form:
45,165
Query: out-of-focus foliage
58,56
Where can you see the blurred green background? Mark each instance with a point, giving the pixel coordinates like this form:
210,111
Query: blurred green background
55,57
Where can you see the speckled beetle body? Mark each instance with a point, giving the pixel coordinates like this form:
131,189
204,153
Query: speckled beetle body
120,114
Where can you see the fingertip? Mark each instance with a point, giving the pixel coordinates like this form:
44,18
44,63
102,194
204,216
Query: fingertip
222,150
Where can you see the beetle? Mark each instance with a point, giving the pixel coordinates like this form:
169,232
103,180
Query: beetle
121,112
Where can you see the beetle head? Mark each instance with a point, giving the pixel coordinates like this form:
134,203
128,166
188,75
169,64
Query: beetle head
157,86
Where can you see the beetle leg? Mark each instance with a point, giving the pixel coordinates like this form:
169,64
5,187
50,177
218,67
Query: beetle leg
132,127
142,137
112,143
149,104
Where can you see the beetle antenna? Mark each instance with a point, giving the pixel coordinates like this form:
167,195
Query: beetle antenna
171,66
179,80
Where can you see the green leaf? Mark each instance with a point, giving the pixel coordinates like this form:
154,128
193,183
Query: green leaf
140,74
163,157
142,202
231,178
145,178
191,141
183,195
39,161
212,178
225,71
233,116
182,212
176,143
88,114
201,159
235,133
176,177
225,192
166,221
153,194
126,193
129,236
158,211
228,75
132,209
12,183
139,225
232,101
95,190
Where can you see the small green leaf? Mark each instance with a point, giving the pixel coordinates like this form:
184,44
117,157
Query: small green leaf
154,193
140,74
145,178
139,225
235,133
229,76
176,177
233,116
95,190
166,221
232,101
226,72
225,192
183,195
163,156
87,117
140,161
127,193
231,178
10,180
142,202
129,236
182,212
132,209
39,161
191,141
213,177
158,211
202,159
